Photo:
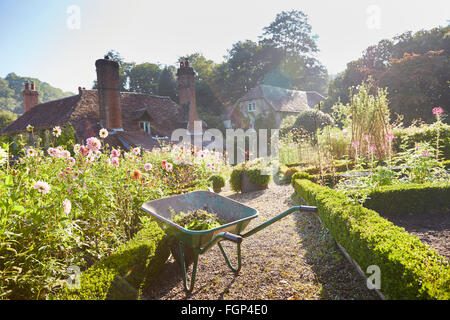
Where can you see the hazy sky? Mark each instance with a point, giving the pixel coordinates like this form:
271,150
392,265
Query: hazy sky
45,39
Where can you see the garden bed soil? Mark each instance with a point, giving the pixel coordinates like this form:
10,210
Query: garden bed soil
295,258
432,229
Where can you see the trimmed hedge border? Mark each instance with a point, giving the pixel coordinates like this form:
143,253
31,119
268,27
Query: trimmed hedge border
409,268
126,273
409,199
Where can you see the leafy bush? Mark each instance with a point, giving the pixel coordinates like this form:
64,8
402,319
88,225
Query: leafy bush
302,175
254,172
409,268
410,136
125,273
409,199
217,181
313,119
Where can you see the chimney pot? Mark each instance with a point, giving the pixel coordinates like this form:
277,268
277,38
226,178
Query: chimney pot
186,63
181,64
32,86
27,85
79,90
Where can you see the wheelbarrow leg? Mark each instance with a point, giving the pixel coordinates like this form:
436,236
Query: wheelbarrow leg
183,269
235,269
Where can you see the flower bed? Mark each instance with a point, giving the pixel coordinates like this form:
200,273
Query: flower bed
77,205
409,268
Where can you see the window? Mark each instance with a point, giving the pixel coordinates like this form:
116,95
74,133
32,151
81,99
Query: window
145,125
251,106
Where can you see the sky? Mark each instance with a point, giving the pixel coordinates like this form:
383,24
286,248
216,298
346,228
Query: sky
59,41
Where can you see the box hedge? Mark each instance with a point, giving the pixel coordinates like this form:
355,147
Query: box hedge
127,272
410,199
409,268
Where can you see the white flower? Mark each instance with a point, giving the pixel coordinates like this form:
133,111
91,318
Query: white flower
3,156
31,152
103,133
42,187
169,167
30,128
136,151
57,131
76,148
65,154
67,206
148,166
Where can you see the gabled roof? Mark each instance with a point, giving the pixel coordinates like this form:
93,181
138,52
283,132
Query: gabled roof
284,100
82,112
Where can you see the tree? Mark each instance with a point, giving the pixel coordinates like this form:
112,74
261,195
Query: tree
143,78
6,118
291,32
167,84
124,69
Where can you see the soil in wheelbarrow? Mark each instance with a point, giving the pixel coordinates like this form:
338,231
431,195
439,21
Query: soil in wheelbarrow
294,258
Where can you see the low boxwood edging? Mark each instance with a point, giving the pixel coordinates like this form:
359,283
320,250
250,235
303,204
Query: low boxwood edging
410,199
409,268
127,272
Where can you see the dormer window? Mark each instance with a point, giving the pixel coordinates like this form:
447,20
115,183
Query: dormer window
252,106
145,125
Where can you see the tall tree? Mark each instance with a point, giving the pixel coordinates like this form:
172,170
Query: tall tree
143,78
291,32
167,84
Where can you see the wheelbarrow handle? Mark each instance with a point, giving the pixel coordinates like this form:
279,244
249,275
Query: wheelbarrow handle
232,237
278,217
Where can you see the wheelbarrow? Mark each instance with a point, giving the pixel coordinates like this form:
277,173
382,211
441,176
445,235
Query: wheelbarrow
187,245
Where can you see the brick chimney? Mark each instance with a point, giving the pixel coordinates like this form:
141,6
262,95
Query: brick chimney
108,83
186,92
30,97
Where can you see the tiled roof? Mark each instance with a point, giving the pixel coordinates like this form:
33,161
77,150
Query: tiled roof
82,111
284,100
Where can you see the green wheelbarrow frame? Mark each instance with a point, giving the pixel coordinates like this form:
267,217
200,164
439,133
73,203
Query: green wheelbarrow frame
236,215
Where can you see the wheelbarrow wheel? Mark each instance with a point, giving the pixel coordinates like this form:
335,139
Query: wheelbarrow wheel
187,252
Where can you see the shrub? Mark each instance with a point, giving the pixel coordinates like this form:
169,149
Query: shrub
217,181
409,268
312,119
253,171
408,137
409,199
302,175
127,272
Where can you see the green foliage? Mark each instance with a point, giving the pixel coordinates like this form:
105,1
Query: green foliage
6,117
167,83
313,119
62,210
409,268
395,64
126,273
254,172
197,220
302,175
144,77
409,199
11,88
217,181
412,135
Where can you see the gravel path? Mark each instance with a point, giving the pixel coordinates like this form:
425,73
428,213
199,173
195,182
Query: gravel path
295,258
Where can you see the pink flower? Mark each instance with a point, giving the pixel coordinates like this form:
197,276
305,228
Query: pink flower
425,153
389,136
164,163
115,153
148,166
372,148
71,161
93,144
136,151
65,154
355,144
438,111
367,137
115,161
169,167
84,151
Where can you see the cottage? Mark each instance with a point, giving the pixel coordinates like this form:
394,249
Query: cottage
266,101
132,119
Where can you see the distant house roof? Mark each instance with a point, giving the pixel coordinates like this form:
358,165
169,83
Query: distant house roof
82,112
284,100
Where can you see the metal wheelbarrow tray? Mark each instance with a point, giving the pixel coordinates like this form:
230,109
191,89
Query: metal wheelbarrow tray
236,216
